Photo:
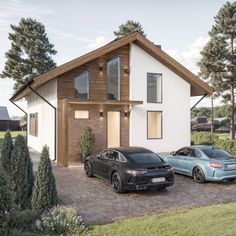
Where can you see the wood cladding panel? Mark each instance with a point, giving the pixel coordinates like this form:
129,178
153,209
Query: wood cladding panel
99,126
98,80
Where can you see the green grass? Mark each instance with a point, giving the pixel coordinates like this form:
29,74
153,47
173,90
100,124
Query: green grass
13,134
205,221
222,136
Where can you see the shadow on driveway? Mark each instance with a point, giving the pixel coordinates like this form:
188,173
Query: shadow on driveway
98,204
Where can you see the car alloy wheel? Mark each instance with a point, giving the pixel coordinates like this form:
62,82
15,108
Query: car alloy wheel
198,175
116,183
88,169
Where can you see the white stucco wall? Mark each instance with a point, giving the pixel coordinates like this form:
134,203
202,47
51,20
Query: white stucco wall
45,117
175,104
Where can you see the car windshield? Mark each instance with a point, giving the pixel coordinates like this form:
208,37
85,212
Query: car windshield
215,153
145,157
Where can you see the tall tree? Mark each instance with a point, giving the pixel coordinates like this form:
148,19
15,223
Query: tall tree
129,27
5,157
30,52
44,192
22,172
218,62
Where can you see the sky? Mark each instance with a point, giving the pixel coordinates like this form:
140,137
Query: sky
76,27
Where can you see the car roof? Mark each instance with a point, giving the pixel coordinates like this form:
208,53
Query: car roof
130,150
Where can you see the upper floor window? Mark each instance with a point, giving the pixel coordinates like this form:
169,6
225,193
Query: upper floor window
82,85
154,88
113,79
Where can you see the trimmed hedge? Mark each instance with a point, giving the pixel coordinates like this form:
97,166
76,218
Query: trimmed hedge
206,138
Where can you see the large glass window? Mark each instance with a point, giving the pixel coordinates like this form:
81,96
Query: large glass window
154,124
113,79
154,88
82,85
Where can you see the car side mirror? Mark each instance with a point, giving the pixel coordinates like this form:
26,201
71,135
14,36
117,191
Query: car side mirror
173,153
99,156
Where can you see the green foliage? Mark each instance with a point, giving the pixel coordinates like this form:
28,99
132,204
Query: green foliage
87,141
5,158
24,220
128,28
30,52
218,61
201,112
22,172
203,138
206,138
62,220
5,196
44,192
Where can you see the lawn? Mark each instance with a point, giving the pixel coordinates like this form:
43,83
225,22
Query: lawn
204,221
13,134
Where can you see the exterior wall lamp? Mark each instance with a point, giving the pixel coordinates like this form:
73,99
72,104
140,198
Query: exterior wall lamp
101,114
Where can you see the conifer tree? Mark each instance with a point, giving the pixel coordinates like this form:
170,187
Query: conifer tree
128,28
5,157
22,172
5,195
218,62
44,192
30,52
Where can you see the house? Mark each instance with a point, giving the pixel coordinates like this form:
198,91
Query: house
5,121
129,91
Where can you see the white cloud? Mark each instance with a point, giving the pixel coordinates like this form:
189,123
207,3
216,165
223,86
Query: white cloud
98,42
191,56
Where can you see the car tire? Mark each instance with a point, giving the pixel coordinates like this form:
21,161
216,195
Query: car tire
88,169
198,175
117,183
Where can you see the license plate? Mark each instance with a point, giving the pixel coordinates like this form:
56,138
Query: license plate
231,166
158,180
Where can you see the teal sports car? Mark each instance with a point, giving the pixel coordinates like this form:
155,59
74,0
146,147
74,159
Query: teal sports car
203,163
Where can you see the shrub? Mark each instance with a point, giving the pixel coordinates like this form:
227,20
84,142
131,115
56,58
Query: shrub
5,196
62,220
22,172
44,192
203,138
23,220
227,145
5,157
87,141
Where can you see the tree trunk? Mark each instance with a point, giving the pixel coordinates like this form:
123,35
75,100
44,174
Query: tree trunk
232,123
212,115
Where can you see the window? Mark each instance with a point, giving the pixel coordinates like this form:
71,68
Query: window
154,88
81,114
183,152
154,125
113,79
33,124
82,85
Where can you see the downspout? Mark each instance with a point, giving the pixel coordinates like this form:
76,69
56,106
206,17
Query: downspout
26,117
55,119
198,101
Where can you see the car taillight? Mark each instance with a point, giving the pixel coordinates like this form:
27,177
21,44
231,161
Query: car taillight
168,168
215,164
136,172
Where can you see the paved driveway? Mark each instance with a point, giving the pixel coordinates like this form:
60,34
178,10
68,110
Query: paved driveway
97,203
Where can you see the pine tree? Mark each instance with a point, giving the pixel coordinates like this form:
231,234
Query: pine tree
5,158
218,62
30,52
44,192
5,195
129,27
22,172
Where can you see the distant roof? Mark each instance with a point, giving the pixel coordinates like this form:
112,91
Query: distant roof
198,87
4,113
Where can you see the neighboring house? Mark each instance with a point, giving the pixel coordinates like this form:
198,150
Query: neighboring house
129,91
5,121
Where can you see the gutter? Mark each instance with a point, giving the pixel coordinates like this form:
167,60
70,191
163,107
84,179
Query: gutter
198,101
26,117
55,119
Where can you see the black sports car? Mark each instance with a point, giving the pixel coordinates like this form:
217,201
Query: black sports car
130,168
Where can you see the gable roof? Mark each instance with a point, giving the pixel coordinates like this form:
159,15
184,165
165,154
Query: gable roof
4,113
198,87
